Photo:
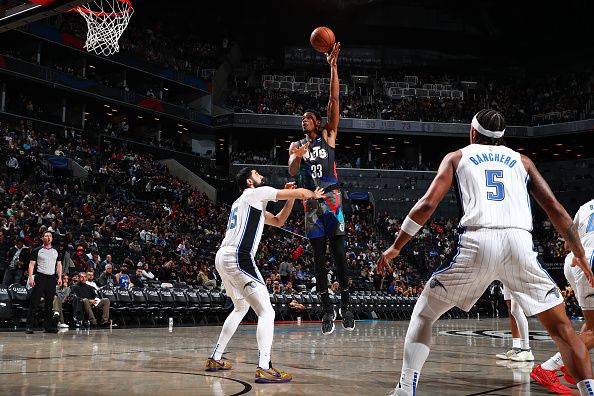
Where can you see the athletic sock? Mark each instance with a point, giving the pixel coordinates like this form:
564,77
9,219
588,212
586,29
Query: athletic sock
516,343
586,387
345,298
217,354
326,303
553,363
409,379
525,344
264,359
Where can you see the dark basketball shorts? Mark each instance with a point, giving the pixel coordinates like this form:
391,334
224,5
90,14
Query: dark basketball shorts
324,217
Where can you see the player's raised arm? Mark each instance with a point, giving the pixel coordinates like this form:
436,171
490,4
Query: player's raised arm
423,209
564,224
331,128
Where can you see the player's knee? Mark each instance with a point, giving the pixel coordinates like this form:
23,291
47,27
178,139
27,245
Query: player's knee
241,307
563,330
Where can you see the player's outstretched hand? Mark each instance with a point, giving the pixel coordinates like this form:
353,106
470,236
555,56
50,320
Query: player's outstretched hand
318,193
300,151
582,263
383,262
290,186
332,57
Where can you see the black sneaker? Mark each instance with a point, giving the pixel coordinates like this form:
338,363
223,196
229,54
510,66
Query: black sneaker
29,331
348,318
328,323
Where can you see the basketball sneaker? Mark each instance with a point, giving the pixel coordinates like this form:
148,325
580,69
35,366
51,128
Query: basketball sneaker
507,355
348,318
217,365
525,355
549,379
567,377
328,323
272,375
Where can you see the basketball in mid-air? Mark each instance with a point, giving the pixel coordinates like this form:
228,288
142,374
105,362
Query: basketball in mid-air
322,39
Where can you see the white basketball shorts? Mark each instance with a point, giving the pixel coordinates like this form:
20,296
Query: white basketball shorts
584,293
485,255
240,275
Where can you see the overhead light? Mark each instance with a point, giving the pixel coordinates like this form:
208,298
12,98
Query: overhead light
87,113
109,114
545,149
385,153
139,116
179,125
393,147
358,137
106,105
221,140
277,146
374,145
114,110
578,155
357,144
406,142
348,147
559,144
390,138
392,151
185,129
91,66
520,149
156,119
165,89
179,132
556,154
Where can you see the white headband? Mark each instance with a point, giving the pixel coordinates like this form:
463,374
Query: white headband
493,134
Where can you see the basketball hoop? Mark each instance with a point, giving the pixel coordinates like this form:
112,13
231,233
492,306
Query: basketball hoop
106,21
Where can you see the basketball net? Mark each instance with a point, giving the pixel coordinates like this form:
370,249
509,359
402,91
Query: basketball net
106,21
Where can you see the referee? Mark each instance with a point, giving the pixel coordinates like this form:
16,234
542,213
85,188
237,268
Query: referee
44,284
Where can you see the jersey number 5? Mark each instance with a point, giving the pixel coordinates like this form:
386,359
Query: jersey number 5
499,193
316,171
232,219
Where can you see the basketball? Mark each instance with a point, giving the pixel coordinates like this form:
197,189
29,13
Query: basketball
322,39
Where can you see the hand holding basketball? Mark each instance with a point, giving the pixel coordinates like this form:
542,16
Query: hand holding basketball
333,56
322,39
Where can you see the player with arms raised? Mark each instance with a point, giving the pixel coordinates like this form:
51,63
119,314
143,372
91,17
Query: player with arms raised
493,184
237,267
324,218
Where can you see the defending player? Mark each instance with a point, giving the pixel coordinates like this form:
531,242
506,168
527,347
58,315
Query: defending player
235,263
324,219
493,183
546,374
520,351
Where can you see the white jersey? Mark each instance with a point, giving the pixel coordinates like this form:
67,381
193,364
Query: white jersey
584,219
492,184
246,220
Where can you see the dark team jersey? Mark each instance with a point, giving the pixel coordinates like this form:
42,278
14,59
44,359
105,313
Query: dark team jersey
318,167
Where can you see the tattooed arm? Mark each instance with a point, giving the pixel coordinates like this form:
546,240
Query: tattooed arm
542,193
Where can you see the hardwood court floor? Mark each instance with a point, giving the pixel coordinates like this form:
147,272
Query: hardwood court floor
364,362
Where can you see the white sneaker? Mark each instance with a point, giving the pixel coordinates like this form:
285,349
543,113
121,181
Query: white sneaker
399,391
63,325
508,355
524,355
